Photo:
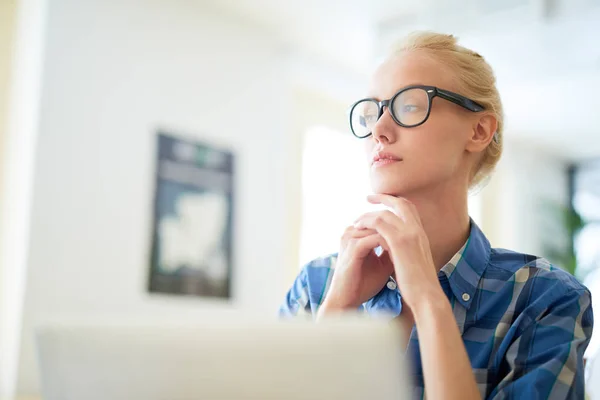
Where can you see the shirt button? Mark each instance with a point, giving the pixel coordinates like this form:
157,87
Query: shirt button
466,297
391,285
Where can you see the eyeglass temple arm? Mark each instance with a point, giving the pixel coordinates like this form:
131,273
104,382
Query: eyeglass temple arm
466,103
460,100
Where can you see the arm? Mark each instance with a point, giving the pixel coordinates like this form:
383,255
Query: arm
545,361
447,369
359,276
297,299
446,365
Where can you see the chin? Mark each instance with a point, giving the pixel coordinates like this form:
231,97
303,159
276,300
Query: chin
393,188
392,180
398,185
401,184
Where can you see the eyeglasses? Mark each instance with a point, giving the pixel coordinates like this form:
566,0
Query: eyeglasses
409,107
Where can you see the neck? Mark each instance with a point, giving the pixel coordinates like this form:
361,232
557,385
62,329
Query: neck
445,219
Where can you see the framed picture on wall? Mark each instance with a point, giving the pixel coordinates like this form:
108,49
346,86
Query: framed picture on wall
193,219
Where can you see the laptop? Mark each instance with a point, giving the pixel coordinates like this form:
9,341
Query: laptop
236,358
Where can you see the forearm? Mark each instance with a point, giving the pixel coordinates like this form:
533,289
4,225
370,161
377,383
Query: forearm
331,307
326,309
446,366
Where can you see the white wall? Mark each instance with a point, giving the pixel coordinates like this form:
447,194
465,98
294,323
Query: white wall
8,16
115,71
17,164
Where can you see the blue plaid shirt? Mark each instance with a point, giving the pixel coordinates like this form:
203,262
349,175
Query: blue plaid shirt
524,323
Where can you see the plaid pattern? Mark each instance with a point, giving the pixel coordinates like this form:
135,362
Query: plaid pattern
524,323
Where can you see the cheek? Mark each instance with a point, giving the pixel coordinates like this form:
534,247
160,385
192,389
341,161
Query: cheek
447,134
438,145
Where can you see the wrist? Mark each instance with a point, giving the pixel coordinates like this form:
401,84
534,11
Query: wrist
429,302
332,306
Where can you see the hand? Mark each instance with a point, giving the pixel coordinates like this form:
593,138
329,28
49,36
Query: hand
359,273
409,250
446,366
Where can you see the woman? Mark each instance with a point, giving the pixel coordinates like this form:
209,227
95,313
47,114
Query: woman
491,323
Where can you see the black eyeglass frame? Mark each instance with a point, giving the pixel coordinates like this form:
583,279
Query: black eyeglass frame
431,91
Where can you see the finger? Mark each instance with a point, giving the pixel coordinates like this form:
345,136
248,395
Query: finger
373,214
386,223
361,232
406,210
361,247
369,220
353,231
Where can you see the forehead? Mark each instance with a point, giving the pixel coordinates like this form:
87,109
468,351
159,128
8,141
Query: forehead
412,68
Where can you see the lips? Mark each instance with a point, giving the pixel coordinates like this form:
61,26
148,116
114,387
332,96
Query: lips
384,158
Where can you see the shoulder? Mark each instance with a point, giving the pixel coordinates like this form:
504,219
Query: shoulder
520,267
544,322
533,283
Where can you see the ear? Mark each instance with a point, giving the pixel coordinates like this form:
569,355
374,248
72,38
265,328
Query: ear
482,133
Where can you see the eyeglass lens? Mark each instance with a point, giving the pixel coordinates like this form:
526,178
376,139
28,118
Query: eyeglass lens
410,108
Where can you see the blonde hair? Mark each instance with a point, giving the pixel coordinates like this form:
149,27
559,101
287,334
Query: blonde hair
475,80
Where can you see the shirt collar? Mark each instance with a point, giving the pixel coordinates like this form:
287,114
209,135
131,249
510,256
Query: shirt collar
465,269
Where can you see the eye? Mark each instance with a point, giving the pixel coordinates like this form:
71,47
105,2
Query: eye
367,120
408,108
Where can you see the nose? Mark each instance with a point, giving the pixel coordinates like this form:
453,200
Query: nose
384,131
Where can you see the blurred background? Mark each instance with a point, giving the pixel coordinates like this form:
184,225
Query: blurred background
86,85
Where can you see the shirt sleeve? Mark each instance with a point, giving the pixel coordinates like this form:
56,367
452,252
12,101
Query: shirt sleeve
545,361
309,289
297,300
